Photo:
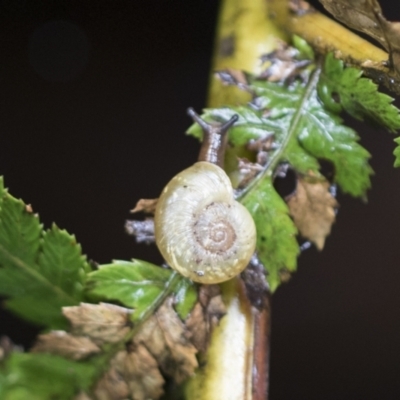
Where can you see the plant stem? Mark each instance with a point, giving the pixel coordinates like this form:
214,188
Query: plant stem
244,33
238,356
229,362
169,288
262,333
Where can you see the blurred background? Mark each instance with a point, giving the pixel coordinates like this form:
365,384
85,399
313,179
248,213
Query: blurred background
93,98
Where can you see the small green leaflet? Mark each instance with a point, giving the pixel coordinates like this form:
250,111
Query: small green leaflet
319,133
139,284
277,246
358,96
305,50
397,153
40,271
44,377
185,297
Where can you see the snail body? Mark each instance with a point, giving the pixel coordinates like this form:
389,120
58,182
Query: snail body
200,230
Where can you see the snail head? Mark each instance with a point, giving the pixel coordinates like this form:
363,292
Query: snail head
214,138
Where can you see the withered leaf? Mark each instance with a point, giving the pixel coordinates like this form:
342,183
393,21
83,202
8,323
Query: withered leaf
205,316
163,335
112,385
134,374
313,209
142,374
101,322
147,206
66,345
366,16
82,396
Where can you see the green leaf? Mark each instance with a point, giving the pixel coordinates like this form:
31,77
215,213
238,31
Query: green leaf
344,88
397,153
44,377
319,132
304,131
315,133
136,284
277,246
40,271
185,297
306,52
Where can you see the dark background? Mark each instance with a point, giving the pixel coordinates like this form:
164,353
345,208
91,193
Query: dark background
92,117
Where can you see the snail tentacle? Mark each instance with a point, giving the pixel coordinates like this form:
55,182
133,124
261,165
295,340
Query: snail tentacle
214,139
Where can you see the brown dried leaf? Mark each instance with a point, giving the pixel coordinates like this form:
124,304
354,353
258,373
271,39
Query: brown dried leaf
134,374
205,316
163,335
113,386
82,396
366,16
147,206
142,374
313,209
101,322
163,344
66,345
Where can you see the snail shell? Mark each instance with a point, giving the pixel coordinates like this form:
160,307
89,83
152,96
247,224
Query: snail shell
200,230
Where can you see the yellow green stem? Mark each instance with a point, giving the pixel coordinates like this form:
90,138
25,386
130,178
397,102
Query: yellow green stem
244,33
228,370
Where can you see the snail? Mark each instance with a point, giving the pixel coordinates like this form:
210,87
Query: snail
200,229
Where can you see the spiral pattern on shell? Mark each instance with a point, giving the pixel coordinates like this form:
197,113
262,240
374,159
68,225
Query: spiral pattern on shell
200,230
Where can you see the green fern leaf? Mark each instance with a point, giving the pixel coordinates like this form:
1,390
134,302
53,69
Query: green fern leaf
44,377
277,247
397,153
40,271
319,132
316,133
344,88
137,284
304,131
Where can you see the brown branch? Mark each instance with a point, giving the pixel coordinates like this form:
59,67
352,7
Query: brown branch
262,331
